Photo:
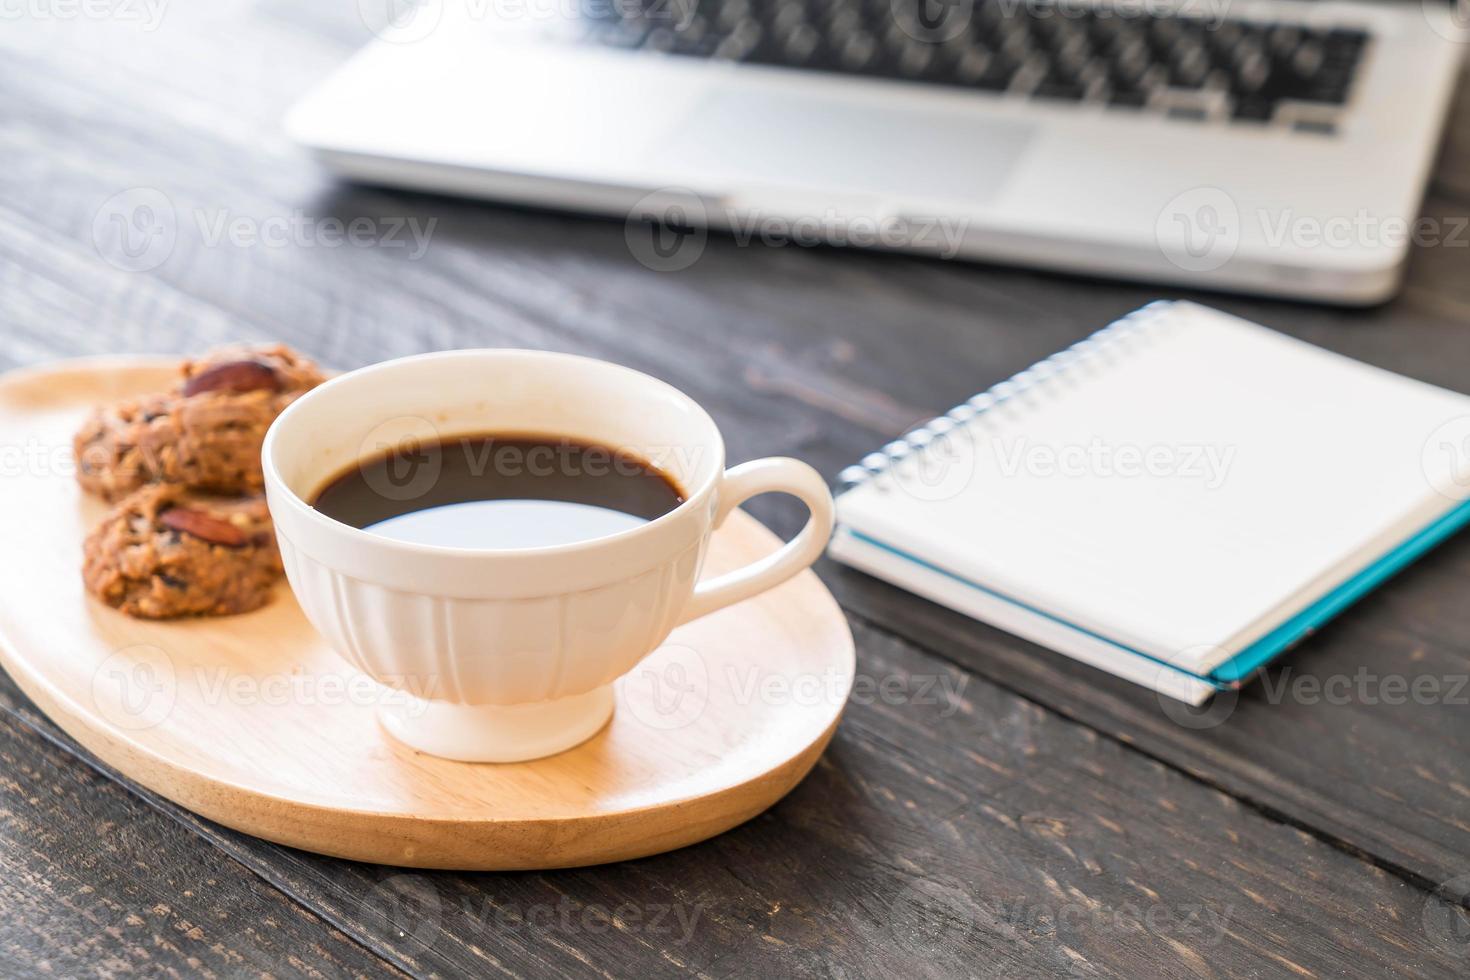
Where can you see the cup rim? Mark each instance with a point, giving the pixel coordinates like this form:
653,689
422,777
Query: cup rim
296,502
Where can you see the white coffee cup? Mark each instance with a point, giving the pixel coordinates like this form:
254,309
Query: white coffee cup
507,655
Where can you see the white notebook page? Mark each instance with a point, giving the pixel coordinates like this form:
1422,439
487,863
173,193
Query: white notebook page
1180,491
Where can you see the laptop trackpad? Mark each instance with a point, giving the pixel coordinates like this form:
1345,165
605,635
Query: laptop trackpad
780,139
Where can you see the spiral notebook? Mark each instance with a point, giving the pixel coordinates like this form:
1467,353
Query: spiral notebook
1176,500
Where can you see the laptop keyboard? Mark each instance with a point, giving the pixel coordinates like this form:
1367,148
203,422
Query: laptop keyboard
1182,66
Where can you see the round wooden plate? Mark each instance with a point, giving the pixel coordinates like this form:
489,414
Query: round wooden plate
254,722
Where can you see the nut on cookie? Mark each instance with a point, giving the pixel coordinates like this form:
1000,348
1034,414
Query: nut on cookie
165,552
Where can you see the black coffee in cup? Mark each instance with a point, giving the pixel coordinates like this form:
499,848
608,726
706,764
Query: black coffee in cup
499,491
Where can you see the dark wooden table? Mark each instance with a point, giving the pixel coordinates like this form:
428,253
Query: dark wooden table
1044,819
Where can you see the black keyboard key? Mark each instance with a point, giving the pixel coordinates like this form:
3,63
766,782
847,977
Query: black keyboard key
1226,36
1061,89
857,52
1344,45
1128,98
704,47
1130,60
1190,68
1306,60
1283,39
800,44
1253,109
1251,77
1348,35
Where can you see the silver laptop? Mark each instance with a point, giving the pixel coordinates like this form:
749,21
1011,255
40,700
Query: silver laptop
1275,147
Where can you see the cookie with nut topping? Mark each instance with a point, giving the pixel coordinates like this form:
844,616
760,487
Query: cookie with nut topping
166,552
205,434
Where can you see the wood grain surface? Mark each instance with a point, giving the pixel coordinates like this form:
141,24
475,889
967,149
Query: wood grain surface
967,832
92,880
1026,832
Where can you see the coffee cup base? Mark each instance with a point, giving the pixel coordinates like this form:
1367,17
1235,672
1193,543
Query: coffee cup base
498,733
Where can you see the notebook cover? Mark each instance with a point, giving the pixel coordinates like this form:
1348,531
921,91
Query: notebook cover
1283,637
1095,637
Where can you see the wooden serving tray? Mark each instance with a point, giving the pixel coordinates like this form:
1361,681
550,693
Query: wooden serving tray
254,722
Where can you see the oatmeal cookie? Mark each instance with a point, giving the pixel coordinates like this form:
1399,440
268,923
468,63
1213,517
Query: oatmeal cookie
205,434
166,551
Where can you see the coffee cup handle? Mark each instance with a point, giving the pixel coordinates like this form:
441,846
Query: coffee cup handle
776,474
